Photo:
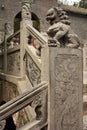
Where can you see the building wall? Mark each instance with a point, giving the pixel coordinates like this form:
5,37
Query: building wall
7,14
40,7
11,8
79,25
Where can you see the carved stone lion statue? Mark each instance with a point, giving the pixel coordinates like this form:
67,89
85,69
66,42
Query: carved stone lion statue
59,32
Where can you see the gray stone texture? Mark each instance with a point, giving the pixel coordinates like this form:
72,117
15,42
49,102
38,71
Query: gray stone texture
79,25
65,88
13,63
9,92
32,71
11,8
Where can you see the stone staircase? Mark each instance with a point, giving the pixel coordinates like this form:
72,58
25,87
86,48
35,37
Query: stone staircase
29,81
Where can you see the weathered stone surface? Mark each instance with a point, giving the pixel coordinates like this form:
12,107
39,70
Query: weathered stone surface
32,71
10,91
26,10
59,31
13,63
65,88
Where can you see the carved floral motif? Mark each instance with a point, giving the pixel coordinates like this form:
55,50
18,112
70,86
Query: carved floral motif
67,100
32,70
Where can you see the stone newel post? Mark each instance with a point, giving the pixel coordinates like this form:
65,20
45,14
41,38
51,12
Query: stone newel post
26,19
63,69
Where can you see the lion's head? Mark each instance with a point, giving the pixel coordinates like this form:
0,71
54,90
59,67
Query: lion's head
57,14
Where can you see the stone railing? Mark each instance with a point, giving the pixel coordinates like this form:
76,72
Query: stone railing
21,54
10,54
13,40
37,99
33,54
37,35
21,59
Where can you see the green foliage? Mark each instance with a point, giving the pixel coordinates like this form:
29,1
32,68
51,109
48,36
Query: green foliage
83,4
75,4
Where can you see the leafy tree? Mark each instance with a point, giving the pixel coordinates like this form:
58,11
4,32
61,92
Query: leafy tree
83,4
75,4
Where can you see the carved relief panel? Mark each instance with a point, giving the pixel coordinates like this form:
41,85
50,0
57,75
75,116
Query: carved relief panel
67,98
65,88
32,70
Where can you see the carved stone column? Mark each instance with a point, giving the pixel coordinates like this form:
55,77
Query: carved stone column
26,19
26,10
63,68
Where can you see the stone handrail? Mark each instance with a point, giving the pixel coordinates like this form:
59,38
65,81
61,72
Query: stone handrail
33,32
22,101
8,39
31,56
13,35
34,57
34,125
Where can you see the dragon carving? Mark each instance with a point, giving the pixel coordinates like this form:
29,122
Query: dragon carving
59,32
